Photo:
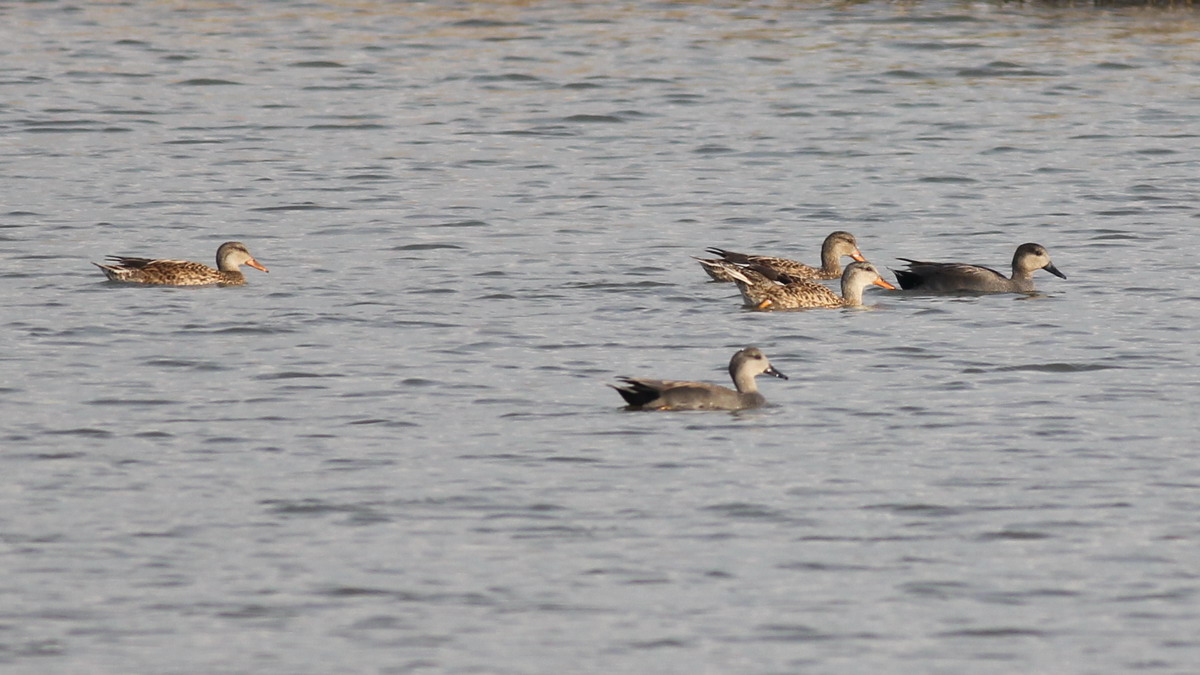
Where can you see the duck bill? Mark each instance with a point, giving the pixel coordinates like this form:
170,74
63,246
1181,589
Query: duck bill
771,371
884,284
857,255
1054,270
256,265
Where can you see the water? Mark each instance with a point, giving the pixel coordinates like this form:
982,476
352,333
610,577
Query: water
395,453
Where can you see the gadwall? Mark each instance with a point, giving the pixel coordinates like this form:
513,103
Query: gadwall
809,294
961,277
230,257
746,364
836,245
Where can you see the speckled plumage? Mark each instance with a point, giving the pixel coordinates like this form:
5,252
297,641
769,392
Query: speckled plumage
230,257
835,246
809,294
746,364
722,270
961,277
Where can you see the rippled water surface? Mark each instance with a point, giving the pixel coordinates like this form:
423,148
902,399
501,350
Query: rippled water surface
395,452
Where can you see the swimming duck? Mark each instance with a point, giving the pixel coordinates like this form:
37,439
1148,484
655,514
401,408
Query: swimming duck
835,246
230,257
746,364
961,277
809,294
761,274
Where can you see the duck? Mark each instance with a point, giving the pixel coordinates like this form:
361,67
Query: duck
760,274
961,277
230,257
746,364
836,245
809,294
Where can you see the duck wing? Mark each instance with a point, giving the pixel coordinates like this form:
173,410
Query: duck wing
943,276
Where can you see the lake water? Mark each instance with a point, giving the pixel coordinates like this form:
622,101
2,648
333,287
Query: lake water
395,452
